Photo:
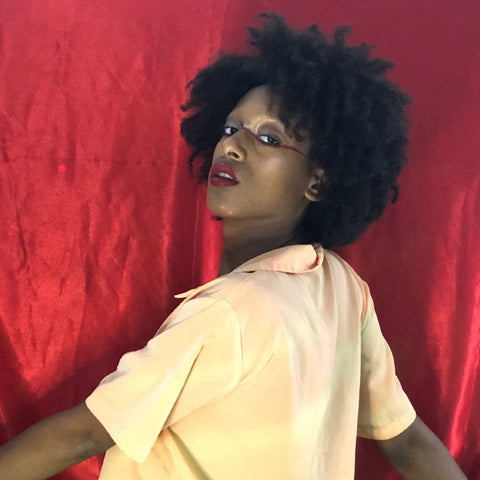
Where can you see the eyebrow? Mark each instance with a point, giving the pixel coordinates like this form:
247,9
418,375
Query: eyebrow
273,124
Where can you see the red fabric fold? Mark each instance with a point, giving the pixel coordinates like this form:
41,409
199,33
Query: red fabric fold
101,223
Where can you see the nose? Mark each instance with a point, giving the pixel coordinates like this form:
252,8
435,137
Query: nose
234,146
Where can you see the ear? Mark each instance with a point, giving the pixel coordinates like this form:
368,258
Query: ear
316,184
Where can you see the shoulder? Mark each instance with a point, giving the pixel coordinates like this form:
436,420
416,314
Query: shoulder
347,284
268,289
341,267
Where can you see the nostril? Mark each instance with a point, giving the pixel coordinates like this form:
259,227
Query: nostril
234,150
233,154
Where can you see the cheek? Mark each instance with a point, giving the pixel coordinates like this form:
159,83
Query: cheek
218,149
289,180
216,154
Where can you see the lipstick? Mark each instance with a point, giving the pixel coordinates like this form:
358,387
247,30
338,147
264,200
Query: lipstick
222,175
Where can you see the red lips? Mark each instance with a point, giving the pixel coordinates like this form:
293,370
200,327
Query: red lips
223,175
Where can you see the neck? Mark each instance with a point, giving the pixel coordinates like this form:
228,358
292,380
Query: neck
240,245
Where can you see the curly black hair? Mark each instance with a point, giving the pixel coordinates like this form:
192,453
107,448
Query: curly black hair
354,116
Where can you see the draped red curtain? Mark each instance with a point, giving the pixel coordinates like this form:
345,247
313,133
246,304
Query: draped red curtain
101,223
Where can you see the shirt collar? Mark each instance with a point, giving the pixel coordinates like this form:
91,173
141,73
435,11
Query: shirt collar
289,259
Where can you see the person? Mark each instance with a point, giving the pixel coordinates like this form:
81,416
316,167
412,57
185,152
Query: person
271,370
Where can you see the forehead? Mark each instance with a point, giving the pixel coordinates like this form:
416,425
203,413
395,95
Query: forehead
261,101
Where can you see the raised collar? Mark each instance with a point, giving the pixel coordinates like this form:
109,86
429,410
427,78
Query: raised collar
289,259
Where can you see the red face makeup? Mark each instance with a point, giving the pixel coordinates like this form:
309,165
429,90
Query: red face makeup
260,173
277,145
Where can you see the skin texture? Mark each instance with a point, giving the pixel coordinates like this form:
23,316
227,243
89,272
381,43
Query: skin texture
260,213
53,445
417,454
275,186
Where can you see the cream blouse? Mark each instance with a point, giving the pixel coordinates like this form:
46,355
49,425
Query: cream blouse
269,372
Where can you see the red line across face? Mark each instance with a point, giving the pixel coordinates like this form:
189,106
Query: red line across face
279,145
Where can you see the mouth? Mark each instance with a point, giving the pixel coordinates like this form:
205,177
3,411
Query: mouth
223,175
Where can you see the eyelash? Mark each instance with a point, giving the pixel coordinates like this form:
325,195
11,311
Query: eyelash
271,141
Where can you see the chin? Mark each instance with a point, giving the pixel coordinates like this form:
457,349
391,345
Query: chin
217,207
221,214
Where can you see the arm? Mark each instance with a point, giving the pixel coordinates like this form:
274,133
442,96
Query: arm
417,454
54,444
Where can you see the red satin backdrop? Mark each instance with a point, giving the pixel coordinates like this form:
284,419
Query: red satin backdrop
101,224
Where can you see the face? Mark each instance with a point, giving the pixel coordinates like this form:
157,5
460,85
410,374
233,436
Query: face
259,171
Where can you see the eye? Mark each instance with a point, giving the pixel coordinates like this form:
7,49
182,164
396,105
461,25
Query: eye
228,130
269,140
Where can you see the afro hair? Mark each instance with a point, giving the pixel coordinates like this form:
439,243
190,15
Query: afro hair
354,116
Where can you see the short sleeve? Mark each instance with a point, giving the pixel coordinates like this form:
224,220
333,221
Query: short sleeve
384,410
194,360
